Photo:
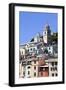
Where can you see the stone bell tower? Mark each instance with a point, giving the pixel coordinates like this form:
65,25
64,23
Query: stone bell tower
47,34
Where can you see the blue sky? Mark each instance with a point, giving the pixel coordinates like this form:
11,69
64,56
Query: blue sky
30,23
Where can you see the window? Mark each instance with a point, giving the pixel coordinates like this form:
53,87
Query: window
55,63
43,69
56,68
28,67
40,68
22,52
34,62
52,74
29,63
46,69
24,73
41,73
30,57
49,48
52,63
35,67
31,49
51,69
34,73
28,72
56,74
23,63
49,52
45,32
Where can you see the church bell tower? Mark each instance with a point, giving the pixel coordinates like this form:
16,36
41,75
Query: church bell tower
47,34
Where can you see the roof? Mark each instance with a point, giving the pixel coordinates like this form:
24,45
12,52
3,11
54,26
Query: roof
42,55
45,65
30,59
52,60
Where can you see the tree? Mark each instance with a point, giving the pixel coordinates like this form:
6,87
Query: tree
54,37
32,40
46,51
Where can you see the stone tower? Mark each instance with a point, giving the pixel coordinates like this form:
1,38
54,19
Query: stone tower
47,34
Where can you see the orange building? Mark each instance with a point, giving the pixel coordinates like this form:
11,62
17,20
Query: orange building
43,71
43,68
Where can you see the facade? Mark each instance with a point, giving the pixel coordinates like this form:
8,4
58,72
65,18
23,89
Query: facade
52,49
33,49
43,69
35,68
29,68
23,52
53,66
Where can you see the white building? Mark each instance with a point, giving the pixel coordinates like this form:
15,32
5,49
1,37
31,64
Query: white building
52,50
53,66
29,68
32,48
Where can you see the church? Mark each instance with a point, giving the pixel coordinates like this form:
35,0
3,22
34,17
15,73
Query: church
45,37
